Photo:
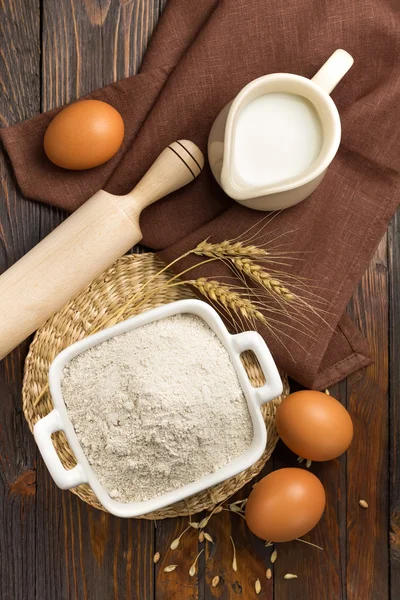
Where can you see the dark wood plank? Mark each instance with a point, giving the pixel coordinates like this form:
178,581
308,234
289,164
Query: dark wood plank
19,99
89,44
177,585
84,553
367,458
251,553
394,417
316,569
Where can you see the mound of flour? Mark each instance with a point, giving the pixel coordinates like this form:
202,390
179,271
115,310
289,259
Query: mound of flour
157,407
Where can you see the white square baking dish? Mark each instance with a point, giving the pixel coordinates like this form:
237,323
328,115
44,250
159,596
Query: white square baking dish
58,420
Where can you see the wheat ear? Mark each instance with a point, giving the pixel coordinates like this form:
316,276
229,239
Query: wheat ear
240,256
228,249
228,297
265,279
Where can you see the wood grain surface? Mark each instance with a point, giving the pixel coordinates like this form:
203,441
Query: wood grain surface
394,408
19,229
367,458
52,545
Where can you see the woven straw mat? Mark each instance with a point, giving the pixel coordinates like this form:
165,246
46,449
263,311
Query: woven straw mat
76,320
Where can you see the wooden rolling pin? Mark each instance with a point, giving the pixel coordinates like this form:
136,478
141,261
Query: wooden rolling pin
84,245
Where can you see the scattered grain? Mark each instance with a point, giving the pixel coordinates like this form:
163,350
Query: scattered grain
274,556
363,503
170,568
234,563
268,574
192,570
176,542
204,522
156,557
257,586
290,576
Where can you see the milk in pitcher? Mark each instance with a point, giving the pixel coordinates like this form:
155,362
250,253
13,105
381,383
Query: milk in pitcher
278,136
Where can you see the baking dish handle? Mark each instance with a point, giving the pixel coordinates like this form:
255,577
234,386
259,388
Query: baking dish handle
65,479
251,340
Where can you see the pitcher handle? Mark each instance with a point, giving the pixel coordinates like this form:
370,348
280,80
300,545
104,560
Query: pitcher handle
333,70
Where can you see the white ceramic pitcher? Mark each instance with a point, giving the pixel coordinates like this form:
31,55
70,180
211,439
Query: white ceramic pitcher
221,143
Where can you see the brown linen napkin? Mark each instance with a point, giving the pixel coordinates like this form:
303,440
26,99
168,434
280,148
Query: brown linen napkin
200,57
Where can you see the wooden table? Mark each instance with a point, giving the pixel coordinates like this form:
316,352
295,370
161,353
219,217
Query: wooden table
52,545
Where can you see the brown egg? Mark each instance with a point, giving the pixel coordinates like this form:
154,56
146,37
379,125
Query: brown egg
285,505
84,135
314,425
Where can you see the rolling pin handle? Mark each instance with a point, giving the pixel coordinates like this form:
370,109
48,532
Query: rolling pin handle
179,164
